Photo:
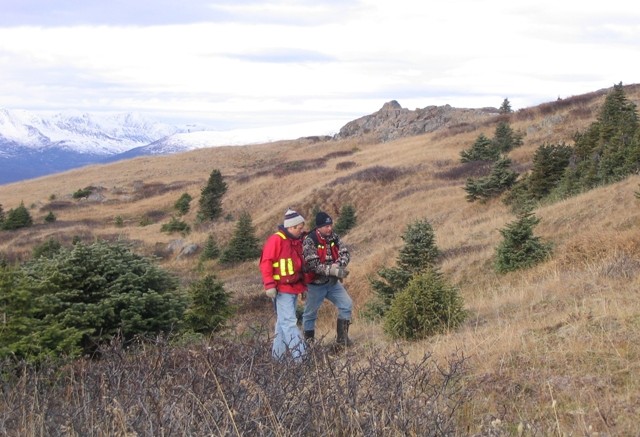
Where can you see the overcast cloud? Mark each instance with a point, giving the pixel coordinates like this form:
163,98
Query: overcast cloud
244,63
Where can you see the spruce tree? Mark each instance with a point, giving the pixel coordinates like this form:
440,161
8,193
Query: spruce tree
498,181
419,250
17,218
211,197
608,150
505,108
549,164
520,248
50,218
2,216
183,204
210,249
482,150
244,243
418,253
71,301
505,138
210,306
346,220
428,305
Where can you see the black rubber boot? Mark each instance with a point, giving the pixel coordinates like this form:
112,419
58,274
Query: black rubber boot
309,336
343,333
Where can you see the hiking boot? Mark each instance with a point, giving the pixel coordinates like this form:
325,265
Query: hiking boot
342,329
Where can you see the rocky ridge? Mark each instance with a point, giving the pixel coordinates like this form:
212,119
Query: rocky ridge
393,121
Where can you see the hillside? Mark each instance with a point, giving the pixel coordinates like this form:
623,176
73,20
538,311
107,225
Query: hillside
554,347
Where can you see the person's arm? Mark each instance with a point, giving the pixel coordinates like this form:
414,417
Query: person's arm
270,254
343,252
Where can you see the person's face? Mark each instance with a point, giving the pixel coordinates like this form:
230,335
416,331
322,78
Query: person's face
326,230
296,230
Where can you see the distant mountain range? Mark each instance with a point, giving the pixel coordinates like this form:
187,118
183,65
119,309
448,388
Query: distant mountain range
33,144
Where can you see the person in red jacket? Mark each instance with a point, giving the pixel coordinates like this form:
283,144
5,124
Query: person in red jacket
281,266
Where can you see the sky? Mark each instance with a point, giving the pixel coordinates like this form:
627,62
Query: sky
231,64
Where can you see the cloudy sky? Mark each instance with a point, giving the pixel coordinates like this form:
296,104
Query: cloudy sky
248,63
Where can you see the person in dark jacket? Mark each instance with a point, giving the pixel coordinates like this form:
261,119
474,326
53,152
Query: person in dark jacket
326,259
281,265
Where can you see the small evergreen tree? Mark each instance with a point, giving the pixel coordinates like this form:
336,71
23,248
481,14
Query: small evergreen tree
346,220
418,253
183,204
50,218
17,218
176,225
519,247
211,197
482,150
210,249
505,108
2,216
210,305
419,250
498,181
425,307
505,139
244,243
83,193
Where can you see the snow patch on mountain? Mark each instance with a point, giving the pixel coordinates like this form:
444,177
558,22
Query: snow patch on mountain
81,132
185,141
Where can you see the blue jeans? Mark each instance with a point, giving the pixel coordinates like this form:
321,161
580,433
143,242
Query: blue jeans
288,337
334,292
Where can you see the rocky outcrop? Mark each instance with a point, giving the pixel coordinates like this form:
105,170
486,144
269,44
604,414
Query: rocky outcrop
393,121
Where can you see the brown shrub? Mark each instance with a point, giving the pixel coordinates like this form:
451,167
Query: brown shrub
473,169
345,165
234,387
376,173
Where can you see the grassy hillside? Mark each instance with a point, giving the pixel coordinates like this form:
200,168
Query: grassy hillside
556,345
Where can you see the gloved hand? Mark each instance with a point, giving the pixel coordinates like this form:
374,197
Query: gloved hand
338,272
271,293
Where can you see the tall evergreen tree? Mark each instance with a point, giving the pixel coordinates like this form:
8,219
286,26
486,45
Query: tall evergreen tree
244,243
2,216
609,149
211,196
549,164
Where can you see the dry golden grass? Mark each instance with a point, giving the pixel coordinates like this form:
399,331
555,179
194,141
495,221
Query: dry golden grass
554,349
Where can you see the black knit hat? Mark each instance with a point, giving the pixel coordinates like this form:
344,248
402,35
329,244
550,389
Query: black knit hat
323,219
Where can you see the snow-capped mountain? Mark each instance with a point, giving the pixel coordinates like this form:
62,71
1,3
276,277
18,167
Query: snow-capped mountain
81,132
184,141
33,144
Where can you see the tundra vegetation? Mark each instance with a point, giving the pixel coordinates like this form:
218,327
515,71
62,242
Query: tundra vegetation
504,327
